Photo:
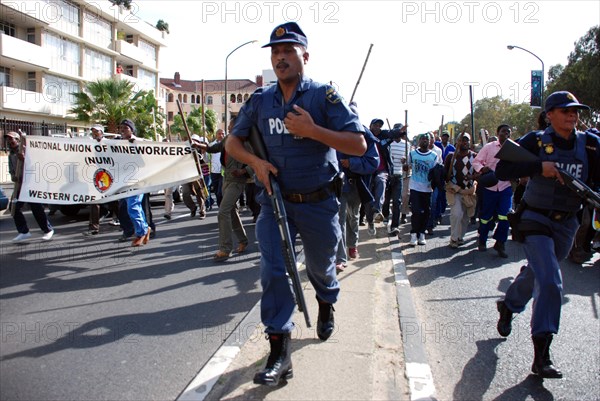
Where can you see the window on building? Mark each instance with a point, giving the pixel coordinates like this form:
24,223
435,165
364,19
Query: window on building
198,99
223,99
60,91
31,35
246,96
97,30
192,99
209,99
64,16
64,54
170,97
97,65
232,98
8,29
148,49
185,98
4,76
147,79
31,82
179,97
239,98
170,116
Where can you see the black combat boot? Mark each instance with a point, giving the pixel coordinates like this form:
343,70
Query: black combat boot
499,247
325,322
279,364
504,325
542,365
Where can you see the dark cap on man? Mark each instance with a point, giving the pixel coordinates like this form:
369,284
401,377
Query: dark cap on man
14,134
377,121
563,99
446,133
130,124
289,32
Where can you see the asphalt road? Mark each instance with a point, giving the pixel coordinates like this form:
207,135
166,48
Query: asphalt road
92,318
455,293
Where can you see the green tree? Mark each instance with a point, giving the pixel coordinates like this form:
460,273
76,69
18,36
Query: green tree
210,119
123,3
148,120
522,118
491,112
162,26
194,122
109,102
581,75
177,127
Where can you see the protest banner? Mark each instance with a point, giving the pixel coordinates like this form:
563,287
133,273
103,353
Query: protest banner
65,171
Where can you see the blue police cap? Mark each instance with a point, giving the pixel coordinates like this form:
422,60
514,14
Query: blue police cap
377,120
563,99
289,32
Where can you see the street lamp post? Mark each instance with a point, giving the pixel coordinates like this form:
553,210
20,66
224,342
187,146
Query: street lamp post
226,100
510,47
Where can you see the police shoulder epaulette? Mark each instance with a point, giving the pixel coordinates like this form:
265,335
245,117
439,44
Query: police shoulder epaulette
332,95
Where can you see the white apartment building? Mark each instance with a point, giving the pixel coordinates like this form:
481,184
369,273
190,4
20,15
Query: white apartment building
51,48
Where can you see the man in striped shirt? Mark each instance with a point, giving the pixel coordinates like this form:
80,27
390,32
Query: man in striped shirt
398,155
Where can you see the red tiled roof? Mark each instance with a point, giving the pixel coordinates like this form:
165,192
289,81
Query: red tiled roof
233,85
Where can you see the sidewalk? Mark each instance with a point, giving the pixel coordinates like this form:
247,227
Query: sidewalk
363,360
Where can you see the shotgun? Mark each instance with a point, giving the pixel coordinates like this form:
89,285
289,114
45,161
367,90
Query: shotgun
513,152
287,246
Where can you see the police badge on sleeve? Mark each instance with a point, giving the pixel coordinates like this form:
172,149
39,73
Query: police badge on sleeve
332,95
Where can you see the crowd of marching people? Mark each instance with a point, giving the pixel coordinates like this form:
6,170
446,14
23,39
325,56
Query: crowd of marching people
395,182
435,173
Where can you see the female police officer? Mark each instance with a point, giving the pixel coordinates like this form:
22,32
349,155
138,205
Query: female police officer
302,123
549,221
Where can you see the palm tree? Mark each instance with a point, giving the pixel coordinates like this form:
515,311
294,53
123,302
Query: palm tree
106,101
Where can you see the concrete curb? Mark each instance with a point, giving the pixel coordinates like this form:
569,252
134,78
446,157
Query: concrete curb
418,370
209,375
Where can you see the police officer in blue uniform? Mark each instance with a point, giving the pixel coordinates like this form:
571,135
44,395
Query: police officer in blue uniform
548,221
302,123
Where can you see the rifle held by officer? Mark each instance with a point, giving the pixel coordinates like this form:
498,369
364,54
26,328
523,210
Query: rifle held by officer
512,152
287,247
